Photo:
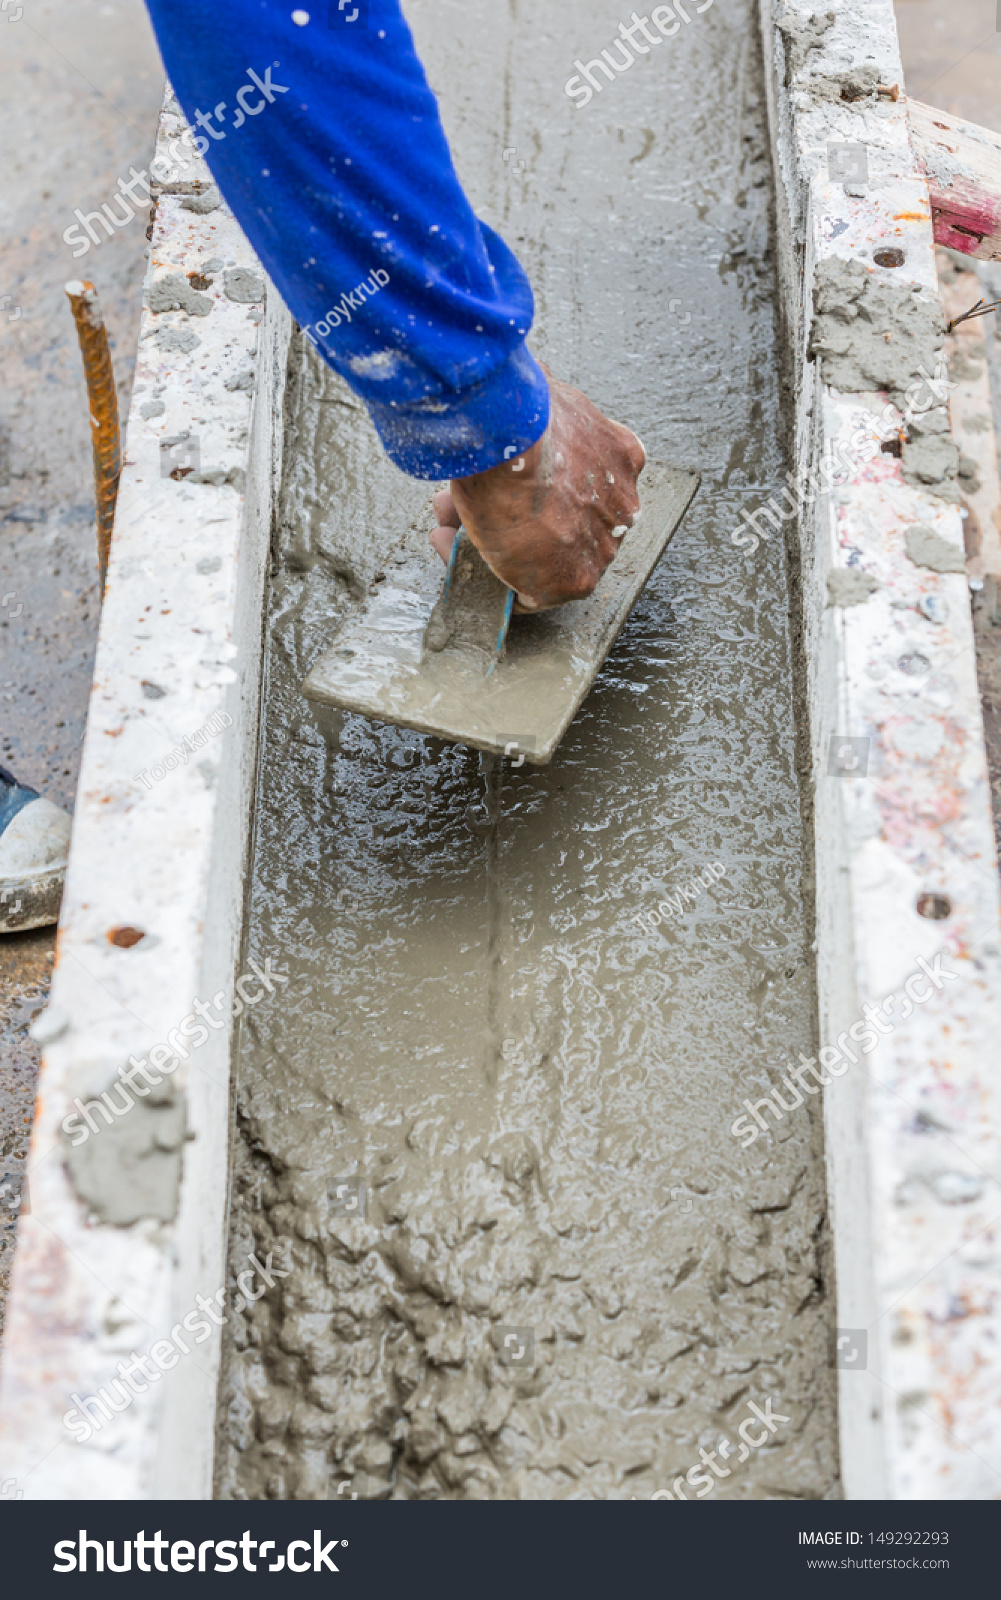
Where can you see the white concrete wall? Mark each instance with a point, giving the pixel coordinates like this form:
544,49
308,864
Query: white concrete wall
912,1129
180,645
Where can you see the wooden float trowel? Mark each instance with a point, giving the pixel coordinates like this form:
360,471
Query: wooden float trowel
450,659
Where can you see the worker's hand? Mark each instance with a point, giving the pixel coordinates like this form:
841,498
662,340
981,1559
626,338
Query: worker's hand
549,522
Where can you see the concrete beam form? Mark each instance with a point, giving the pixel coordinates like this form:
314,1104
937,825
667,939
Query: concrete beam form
972,422
909,967
126,1225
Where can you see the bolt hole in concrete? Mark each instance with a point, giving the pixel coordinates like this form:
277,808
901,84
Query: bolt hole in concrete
914,664
934,906
889,257
510,1036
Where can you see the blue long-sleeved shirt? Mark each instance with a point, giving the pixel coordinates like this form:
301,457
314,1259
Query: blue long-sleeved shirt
322,132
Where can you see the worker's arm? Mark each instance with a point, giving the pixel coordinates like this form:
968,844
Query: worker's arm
324,137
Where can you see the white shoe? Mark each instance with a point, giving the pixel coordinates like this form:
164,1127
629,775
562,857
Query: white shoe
34,847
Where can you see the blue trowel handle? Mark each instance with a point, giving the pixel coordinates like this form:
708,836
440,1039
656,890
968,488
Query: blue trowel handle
508,604
506,623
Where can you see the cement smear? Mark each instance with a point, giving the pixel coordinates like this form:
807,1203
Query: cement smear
487,1137
845,587
927,548
871,335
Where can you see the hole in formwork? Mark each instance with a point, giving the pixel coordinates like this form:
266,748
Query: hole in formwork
936,907
198,280
914,664
893,447
890,256
125,938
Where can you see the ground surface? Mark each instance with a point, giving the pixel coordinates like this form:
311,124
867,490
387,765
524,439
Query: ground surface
952,56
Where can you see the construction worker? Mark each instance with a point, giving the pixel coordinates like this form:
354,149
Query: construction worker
324,137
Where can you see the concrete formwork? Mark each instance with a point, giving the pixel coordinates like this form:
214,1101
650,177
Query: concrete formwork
912,1135
114,1250
902,822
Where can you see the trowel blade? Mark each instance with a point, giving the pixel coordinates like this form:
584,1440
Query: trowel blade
382,664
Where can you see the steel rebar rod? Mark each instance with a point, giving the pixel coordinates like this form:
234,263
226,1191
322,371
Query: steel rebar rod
106,435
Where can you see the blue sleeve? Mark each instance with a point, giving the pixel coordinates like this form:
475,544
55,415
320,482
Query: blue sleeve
323,134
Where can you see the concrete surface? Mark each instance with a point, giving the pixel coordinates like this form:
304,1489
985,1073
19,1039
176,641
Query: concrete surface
952,59
126,1224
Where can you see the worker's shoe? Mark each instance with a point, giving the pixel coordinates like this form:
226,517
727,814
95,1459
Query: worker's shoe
34,846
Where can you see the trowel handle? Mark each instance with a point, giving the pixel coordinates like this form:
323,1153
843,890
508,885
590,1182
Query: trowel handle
508,604
506,623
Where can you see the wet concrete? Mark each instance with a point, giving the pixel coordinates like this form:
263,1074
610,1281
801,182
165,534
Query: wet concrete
487,1137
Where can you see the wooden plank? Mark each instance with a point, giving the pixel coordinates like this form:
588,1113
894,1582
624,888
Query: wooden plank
962,163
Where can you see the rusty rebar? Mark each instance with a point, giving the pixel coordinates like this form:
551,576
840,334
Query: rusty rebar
981,309
106,436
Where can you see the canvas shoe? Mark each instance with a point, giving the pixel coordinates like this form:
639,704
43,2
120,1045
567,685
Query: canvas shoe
34,846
